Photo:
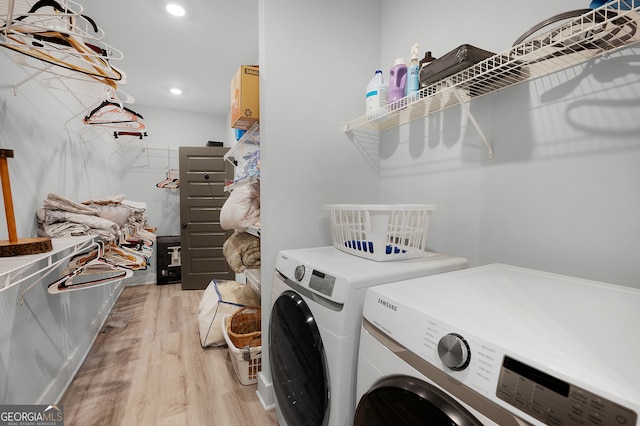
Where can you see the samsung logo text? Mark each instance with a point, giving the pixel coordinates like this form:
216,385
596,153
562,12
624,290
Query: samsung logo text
388,305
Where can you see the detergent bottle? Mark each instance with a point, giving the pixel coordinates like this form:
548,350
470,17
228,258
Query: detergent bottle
413,73
377,92
398,80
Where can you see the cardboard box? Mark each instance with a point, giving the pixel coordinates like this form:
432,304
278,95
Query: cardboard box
245,97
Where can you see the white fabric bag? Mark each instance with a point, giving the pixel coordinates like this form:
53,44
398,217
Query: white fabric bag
221,298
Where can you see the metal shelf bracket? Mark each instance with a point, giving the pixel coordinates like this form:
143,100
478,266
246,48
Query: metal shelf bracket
466,108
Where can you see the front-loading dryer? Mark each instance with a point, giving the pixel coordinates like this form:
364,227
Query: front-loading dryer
499,345
314,328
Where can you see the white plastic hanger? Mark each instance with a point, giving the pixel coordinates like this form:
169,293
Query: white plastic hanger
92,262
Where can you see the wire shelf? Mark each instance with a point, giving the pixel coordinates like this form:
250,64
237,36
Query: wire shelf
594,33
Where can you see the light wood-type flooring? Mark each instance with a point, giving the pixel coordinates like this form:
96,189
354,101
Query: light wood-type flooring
147,368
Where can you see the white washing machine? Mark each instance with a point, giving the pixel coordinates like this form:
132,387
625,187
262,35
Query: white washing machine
499,345
315,326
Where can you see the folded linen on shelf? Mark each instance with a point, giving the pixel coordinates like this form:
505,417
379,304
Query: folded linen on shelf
242,251
115,222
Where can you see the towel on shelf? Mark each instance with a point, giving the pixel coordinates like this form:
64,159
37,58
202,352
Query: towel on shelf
58,202
60,223
242,251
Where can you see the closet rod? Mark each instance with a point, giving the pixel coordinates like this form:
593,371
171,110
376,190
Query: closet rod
161,147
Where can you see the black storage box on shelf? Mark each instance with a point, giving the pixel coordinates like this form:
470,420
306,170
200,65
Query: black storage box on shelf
453,62
167,259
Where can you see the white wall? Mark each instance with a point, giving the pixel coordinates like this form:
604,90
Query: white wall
316,59
561,193
168,129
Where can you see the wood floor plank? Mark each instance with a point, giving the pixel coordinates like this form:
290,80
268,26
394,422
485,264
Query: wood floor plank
147,368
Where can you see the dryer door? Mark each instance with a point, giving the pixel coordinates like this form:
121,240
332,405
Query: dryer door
409,401
298,362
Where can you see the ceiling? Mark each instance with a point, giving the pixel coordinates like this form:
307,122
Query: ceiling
199,52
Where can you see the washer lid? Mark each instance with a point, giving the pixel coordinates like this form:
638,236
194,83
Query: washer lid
580,330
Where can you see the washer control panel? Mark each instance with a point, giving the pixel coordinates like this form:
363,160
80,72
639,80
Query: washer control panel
554,401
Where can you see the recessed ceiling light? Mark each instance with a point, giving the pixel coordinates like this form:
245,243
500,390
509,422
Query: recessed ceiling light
175,9
175,91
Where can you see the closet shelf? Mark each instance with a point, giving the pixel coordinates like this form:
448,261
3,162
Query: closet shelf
251,138
597,32
253,279
246,154
253,230
13,268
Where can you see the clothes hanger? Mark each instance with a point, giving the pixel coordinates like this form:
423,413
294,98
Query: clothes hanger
92,262
40,20
57,40
142,258
62,75
111,112
171,182
123,257
79,59
28,20
173,177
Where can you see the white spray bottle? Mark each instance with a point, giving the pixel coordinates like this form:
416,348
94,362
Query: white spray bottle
413,72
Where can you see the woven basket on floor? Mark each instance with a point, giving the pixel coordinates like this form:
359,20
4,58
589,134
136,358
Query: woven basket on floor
245,327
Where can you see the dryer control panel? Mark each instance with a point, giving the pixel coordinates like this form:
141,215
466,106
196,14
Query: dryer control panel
321,282
554,401
307,277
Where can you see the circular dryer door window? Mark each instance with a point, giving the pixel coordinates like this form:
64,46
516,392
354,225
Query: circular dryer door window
409,401
298,362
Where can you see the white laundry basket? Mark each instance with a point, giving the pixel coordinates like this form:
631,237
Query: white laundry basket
246,362
380,232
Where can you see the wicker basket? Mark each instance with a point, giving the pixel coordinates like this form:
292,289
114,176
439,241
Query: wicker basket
245,327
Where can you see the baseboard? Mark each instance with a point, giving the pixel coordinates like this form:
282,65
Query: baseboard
265,392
